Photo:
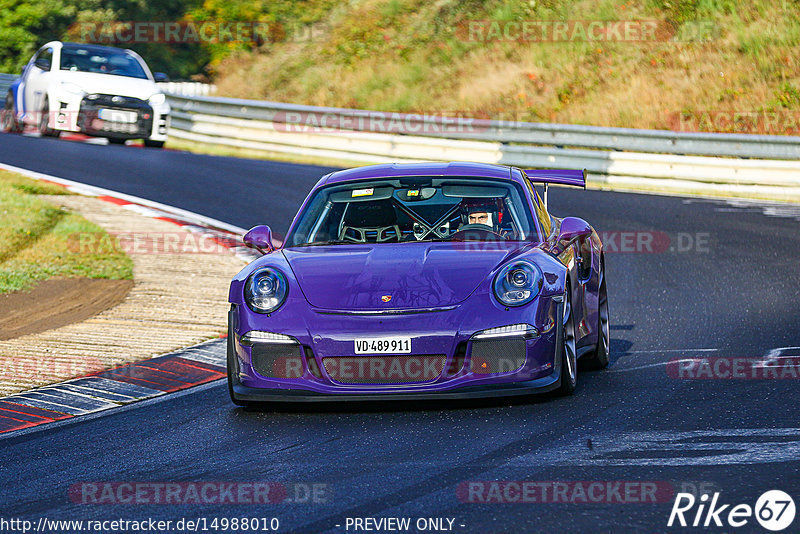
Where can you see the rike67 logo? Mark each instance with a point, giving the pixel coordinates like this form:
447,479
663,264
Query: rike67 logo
774,510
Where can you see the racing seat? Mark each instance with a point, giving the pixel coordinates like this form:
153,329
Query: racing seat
370,222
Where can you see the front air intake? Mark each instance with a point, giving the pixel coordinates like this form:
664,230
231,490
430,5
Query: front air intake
497,355
272,360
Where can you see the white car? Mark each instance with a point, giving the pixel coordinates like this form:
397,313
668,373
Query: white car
95,90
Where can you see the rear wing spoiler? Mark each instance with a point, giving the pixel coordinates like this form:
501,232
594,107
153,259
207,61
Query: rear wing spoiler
575,178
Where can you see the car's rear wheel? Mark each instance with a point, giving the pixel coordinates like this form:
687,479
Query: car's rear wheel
153,144
569,359
10,123
600,357
44,121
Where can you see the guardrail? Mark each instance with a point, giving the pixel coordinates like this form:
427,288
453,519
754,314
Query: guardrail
621,157
188,88
5,83
593,137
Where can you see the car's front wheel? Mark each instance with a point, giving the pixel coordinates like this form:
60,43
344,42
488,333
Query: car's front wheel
10,123
569,360
600,357
44,121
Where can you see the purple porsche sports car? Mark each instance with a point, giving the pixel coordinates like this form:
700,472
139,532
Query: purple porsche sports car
424,281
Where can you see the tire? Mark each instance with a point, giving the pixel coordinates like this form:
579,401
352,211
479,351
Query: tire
568,380
9,123
116,141
44,121
153,144
600,357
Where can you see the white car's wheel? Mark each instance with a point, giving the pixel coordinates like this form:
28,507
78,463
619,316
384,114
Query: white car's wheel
9,121
44,121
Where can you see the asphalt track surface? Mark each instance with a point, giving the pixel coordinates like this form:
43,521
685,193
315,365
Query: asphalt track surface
734,295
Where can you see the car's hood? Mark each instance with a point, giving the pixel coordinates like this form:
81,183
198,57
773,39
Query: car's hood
414,275
108,84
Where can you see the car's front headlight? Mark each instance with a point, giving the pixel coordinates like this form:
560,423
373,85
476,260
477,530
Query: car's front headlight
265,290
517,283
513,330
157,99
72,88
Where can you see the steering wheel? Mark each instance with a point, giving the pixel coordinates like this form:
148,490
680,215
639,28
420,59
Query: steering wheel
477,229
476,226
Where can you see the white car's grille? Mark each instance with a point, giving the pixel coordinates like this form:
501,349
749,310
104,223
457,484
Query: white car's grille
118,116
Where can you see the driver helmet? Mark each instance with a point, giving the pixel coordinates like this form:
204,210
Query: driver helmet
483,211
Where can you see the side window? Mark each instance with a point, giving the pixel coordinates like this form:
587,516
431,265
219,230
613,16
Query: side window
44,59
540,211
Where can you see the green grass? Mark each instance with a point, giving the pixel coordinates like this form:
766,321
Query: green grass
37,239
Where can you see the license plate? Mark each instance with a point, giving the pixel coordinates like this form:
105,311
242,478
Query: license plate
116,115
119,127
383,345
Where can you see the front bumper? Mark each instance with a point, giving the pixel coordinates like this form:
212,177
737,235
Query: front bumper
76,113
448,334
530,387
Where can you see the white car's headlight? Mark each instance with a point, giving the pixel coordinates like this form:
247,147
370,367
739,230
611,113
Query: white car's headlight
72,88
157,99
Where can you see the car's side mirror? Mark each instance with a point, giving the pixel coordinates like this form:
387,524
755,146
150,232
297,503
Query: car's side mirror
43,63
572,228
260,238
160,77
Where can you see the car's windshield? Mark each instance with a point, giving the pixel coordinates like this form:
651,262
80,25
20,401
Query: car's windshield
412,210
88,59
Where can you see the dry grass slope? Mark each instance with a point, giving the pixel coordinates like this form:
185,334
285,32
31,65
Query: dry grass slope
410,55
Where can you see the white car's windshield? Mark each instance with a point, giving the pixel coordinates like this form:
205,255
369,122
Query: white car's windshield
101,61
418,209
